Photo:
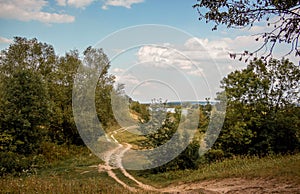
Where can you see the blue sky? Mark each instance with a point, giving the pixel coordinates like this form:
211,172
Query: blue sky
145,69
86,23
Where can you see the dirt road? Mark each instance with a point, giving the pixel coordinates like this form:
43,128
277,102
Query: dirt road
236,185
113,160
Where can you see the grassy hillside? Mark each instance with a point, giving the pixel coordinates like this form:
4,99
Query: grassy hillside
282,168
78,174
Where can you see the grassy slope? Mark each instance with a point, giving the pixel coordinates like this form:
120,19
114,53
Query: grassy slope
283,168
77,173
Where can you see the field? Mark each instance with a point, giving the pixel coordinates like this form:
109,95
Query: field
78,173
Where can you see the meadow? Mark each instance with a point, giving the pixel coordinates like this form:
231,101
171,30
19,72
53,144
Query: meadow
77,172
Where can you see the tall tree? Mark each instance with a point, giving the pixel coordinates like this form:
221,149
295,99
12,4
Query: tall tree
24,74
244,13
262,114
27,54
101,64
62,126
24,111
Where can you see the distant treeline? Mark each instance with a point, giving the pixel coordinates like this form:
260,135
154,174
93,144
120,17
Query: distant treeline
179,103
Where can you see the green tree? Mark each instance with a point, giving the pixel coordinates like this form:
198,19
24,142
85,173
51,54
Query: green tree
163,127
28,54
56,73
262,102
62,126
101,64
92,96
245,13
24,115
24,73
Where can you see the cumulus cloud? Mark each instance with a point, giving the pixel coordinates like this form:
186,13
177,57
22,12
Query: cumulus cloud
5,40
220,49
196,55
61,2
118,70
168,57
127,79
120,3
27,10
159,55
79,3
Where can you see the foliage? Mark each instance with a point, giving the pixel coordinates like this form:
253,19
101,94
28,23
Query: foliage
27,54
244,13
18,164
104,87
62,126
262,114
36,98
163,126
141,109
25,112
249,167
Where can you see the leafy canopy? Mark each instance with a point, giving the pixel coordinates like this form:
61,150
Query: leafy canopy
262,115
246,13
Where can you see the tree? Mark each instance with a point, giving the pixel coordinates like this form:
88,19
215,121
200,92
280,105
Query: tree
174,137
100,63
262,115
24,75
91,97
28,54
24,115
62,126
245,13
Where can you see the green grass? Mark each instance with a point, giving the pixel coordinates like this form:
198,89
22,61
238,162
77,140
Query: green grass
77,173
57,184
74,173
127,137
282,168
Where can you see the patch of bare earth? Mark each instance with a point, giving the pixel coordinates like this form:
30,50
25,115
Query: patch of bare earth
236,185
113,160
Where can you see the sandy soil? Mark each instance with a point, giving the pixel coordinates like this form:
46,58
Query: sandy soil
113,159
235,185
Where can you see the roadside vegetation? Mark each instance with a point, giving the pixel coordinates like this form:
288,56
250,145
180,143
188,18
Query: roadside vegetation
77,173
41,149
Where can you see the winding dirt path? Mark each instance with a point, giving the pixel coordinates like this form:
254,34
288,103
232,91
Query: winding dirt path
113,160
236,186
108,167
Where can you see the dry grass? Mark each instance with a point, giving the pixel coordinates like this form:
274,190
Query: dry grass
282,168
78,174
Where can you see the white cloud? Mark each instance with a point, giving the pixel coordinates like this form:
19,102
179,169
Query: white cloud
61,2
168,57
196,72
27,10
196,55
200,48
79,3
5,40
159,55
120,3
118,70
127,79
74,3
220,49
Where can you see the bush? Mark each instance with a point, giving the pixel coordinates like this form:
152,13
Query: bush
214,155
16,164
53,152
